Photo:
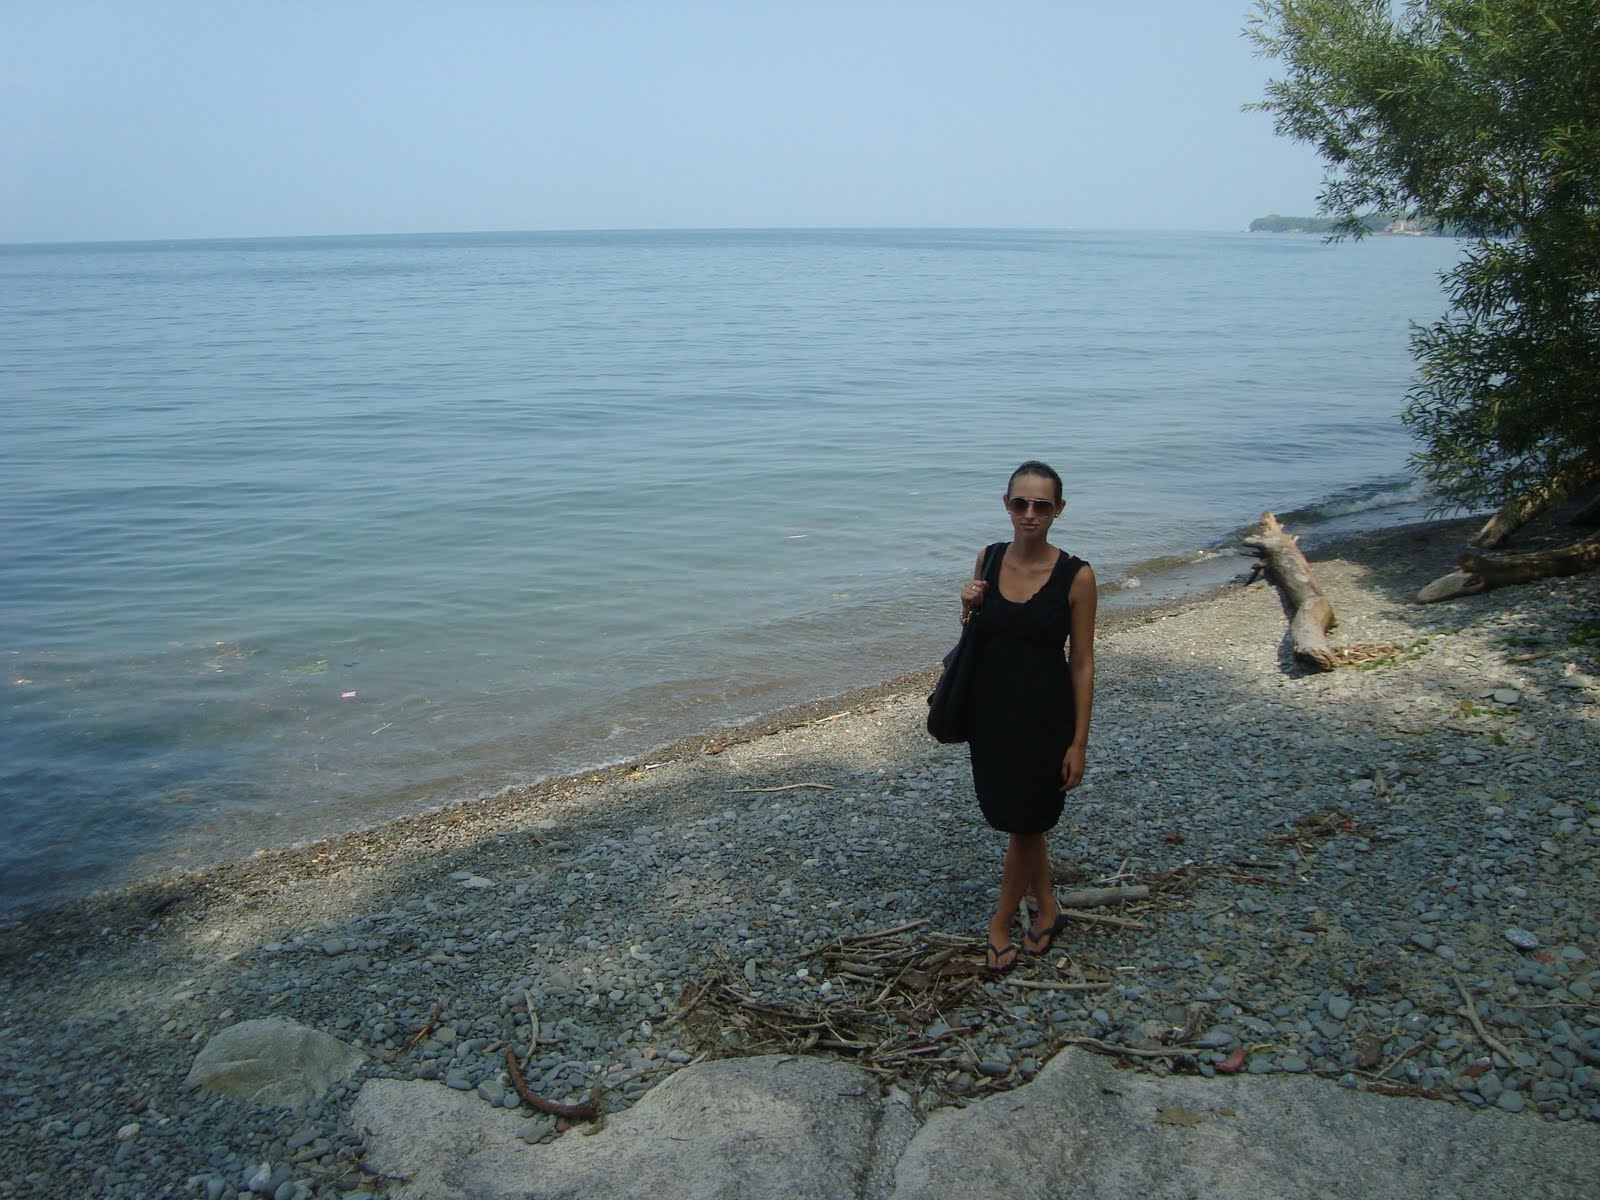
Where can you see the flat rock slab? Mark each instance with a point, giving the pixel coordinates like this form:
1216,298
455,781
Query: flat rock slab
740,1129
816,1129
1086,1130
272,1061
417,1131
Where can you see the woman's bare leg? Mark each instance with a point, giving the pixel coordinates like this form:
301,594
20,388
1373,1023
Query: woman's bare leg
1044,892
1018,873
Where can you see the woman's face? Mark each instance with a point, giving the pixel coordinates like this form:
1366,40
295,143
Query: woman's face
1032,505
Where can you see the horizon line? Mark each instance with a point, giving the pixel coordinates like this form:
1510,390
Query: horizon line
619,229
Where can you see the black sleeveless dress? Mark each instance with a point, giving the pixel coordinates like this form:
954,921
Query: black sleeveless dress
1021,720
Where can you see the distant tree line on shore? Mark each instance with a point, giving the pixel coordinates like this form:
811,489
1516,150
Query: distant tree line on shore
1371,223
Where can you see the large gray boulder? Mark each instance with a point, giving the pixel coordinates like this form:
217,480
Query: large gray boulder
1086,1130
804,1128
272,1061
736,1129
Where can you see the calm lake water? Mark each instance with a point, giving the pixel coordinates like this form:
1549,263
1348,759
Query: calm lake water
301,534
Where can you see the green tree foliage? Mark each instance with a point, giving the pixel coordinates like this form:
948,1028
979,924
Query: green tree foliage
1479,115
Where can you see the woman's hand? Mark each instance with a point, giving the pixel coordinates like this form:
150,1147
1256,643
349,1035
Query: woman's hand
1072,766
972,594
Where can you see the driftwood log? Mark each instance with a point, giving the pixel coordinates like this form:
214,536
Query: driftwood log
1095,897
1448,587
1499,569
1520,509
1478,572
1281,557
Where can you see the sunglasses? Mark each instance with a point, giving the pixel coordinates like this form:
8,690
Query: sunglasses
1041,508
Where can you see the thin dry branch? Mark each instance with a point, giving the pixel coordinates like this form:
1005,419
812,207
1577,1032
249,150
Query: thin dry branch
784,787
433,1023
1050,985
533,1026
1487,1038
1131,1051
418,1036
875,934
1088,918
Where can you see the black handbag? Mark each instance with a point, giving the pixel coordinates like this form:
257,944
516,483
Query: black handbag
949,700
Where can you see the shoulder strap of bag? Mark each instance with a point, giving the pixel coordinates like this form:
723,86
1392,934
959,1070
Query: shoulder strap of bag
990,573
991,562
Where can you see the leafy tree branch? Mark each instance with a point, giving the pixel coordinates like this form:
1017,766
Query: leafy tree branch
1480,116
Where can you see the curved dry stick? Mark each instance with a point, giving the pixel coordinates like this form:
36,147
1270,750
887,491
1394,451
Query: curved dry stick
589,1111
787,787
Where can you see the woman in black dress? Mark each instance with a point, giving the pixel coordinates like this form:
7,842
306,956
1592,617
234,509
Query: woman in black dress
1031,698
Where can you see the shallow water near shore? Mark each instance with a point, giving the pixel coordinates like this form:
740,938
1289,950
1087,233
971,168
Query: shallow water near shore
305,534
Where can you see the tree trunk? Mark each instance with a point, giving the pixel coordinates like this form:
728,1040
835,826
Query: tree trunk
1519,510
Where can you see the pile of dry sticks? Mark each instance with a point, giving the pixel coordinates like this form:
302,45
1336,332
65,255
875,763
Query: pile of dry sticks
902,1002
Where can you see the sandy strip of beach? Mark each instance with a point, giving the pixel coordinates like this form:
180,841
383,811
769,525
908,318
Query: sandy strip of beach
1335,860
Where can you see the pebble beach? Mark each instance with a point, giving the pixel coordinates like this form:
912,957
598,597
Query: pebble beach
1337,866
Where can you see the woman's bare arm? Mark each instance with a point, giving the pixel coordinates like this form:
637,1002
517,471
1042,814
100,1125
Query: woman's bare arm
1081,601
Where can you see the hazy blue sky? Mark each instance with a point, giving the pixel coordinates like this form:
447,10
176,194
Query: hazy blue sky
164,119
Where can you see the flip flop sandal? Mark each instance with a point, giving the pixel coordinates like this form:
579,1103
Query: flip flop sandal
1042,941
1001,965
